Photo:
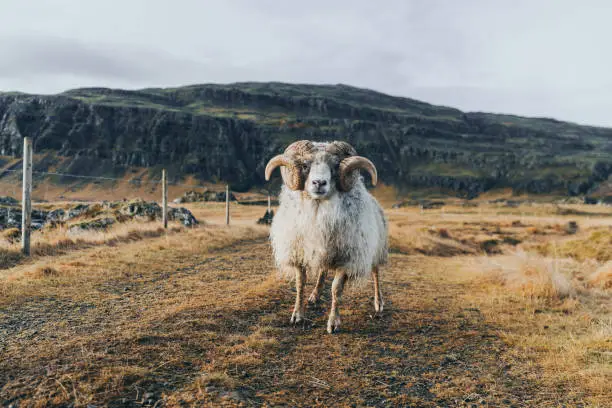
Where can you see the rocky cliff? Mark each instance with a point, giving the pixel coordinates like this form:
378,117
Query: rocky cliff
228,132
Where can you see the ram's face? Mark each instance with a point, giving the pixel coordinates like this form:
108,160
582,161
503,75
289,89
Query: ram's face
320,170
320,174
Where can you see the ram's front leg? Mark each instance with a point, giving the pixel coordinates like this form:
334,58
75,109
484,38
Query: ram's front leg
378,299
298,309
333,322
316,292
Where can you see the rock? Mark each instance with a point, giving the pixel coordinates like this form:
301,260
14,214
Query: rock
267,218
183,215
10,217
141,209
76,211
56,216
425,204
513,203
96,225
203,196
6,200
96,216
571,227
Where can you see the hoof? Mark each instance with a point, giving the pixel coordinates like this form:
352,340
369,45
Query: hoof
333,325
378,306
296,317
314,297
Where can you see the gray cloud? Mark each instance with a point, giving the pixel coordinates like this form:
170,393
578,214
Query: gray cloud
544,58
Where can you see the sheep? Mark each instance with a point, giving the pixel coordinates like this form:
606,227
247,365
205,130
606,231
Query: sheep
327,221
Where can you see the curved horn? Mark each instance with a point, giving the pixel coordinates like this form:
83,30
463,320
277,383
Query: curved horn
350,164
294,179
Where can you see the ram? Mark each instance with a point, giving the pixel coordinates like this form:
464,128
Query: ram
326,222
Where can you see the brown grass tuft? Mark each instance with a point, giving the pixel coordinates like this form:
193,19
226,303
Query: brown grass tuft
596,245
217,379
443,233
531,275
534,230
43,272
11,235
602,277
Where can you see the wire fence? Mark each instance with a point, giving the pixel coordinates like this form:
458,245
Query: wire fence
134,181
38,180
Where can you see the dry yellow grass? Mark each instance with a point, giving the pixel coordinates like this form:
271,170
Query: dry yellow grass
531,275
595,244
602,277
547,311
57,241
196,318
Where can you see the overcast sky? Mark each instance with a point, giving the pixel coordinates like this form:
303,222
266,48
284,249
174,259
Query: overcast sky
533,57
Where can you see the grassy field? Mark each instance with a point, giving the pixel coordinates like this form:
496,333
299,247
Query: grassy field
484,306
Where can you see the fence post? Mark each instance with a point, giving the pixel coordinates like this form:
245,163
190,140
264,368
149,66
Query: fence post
26,198
165,197
227,205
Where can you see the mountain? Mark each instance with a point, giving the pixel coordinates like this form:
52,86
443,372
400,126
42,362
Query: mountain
228,132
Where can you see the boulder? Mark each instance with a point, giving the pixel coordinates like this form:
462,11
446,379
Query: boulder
6,200
571,227
141,209
10,217
267,218
183,215
56,216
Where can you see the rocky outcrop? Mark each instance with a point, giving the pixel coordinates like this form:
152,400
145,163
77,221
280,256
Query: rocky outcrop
99,216
228,132
203,196
8,201
97,225
10,217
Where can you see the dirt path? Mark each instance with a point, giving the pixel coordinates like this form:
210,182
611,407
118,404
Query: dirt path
213,328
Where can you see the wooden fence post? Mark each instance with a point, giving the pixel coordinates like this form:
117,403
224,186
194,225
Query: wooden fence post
165,197
26,198
227,205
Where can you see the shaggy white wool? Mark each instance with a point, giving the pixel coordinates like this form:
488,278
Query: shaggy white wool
346,230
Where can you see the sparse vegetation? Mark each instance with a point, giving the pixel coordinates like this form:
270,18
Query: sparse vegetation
596,244
135,315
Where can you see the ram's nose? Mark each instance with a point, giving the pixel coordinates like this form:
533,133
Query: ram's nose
319,183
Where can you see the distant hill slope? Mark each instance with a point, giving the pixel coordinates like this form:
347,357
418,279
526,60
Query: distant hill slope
228,132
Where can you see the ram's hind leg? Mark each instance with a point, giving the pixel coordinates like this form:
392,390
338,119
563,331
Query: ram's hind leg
316,292
333,323
378,299
298,310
